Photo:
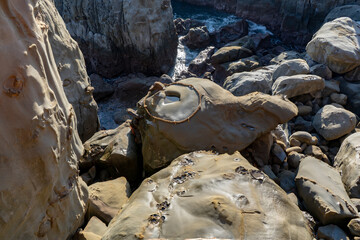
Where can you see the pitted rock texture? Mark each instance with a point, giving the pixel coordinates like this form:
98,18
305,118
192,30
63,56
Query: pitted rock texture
197,114
205,195
42,196
121,36
347,161
337,44
71,66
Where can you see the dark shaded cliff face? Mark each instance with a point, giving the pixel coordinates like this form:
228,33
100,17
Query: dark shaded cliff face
122,36
294,21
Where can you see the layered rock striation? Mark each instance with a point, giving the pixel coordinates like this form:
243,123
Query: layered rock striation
122,36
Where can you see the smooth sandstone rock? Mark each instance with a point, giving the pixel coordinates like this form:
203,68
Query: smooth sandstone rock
323,193
347,161
292,86
333,122
229,54
291,67
71,66
197,114
114,150
107,198
204,195
121,36
42,196
337,45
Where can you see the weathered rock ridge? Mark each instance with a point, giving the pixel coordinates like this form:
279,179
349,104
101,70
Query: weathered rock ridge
41,194
122,36
71,66
295,20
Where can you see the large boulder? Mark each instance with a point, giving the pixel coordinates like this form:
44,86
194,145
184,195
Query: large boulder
71,66
324,195
120,36
42,196
333,121
296,85
197,114
347,162
209,196
291,67
337,44
244,83
229,54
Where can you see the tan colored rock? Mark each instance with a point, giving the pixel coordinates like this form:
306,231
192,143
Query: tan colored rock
205,195
323,193
71,66
291,67
201,115
229,54
242,65
292,86
285,56
114,150
333,122
347,161
42,196
304,137
304,110
107,198
354,226
96,226
337,44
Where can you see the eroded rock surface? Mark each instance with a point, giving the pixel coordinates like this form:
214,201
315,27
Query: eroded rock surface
347,161
122,36
197,114
323,192
204,195
42,196
71,66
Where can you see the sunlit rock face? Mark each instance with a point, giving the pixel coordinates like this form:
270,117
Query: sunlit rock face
197,114
209,196
41,194
120,36
71,66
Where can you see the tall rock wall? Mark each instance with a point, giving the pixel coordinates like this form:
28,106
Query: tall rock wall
295,20
41,195
71,66
122,36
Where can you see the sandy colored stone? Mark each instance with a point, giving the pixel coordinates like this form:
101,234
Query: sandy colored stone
229,54
337,44
292,86
324,195
304,137
333,122
223,122
204,195
347,161
71,66
107,198
291,67
42,196
96,226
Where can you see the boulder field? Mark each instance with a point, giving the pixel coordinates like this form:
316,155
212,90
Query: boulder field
252,141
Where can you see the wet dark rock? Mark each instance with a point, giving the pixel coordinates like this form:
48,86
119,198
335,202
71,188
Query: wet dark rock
201,63
197,38
102,89
183,26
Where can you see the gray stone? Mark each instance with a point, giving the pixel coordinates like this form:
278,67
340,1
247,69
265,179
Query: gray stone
292,86
285,56
291,67
242,65
336,44
197,38
201,63
294,159
321,70
352,91
324,195
339,98
331,232
354,226
287,180
353,75
333,122
351,11
229,54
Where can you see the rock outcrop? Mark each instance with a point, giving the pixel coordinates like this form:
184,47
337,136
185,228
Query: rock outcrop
71,66
206,195
296,20
42,196
197,114
120,36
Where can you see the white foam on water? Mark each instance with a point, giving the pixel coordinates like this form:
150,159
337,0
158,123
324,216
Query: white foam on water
255,28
